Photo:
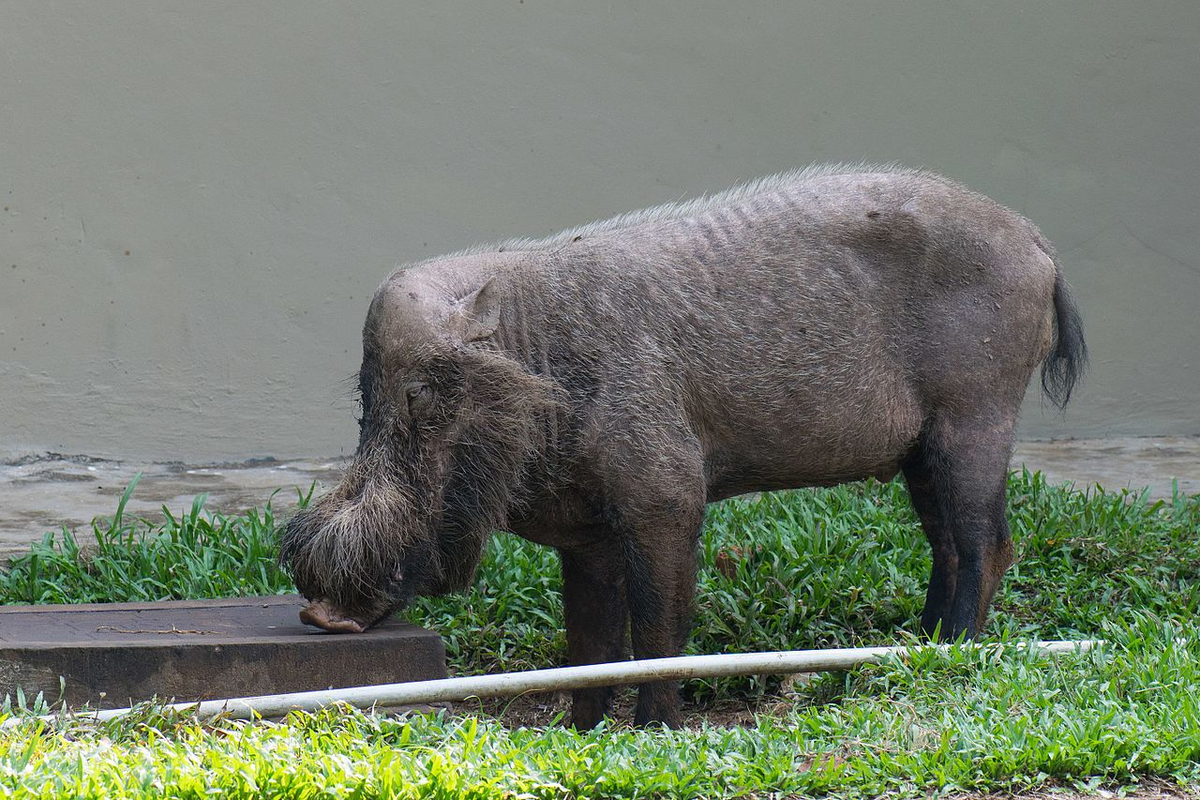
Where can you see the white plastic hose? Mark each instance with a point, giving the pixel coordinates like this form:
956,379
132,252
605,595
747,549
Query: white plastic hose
563,678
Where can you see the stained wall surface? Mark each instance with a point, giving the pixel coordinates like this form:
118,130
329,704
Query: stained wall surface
199,198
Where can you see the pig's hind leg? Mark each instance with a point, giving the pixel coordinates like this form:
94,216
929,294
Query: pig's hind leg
957,477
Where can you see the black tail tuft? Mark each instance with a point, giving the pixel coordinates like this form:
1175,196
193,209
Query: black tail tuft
1064,366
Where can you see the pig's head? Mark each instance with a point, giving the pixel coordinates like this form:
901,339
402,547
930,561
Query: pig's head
450,427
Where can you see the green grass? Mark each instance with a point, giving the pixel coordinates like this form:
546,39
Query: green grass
848,566
802,569
786,570
195,554
964,720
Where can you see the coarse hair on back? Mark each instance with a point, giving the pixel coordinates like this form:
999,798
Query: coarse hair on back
682,209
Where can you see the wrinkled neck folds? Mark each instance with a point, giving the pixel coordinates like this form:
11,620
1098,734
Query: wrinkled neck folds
503,439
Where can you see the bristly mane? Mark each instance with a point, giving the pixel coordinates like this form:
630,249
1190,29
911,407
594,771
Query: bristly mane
685,208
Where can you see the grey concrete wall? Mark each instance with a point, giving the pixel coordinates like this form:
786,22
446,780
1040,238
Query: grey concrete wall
199,198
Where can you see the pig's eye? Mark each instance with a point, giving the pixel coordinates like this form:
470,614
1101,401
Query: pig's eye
419,397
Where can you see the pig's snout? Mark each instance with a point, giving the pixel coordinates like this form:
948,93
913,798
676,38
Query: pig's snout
320,614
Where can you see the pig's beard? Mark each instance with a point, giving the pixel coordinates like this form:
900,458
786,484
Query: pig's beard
429,529
342,549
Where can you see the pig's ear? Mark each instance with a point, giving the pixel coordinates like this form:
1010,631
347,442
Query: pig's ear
480,312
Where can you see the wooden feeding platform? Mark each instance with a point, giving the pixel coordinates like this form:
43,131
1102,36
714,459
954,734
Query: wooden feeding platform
117,654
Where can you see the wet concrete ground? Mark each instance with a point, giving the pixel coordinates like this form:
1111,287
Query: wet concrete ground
46,493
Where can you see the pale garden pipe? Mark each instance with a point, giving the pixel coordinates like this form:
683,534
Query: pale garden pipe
560,679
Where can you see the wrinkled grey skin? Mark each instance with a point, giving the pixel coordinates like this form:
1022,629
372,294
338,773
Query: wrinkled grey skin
593,391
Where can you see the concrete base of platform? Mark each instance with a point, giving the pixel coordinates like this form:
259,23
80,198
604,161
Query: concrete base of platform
116,654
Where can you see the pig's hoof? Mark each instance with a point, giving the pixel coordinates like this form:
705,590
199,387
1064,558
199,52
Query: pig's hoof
320,614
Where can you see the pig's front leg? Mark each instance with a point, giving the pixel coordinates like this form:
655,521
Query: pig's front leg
594,597
658,514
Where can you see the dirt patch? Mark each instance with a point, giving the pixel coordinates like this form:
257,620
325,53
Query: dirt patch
44,493
47,493
554,708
